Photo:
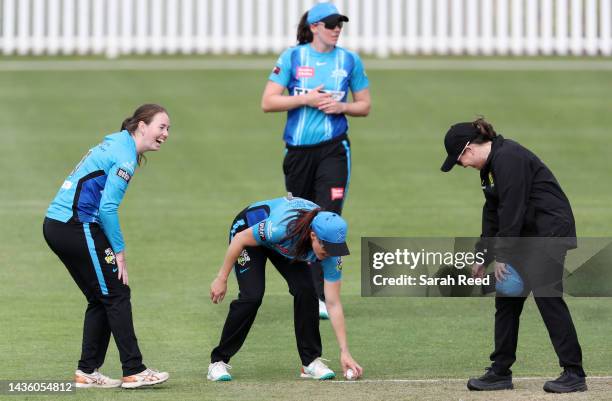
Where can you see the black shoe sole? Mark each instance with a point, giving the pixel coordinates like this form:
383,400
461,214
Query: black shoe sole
491,387
573,389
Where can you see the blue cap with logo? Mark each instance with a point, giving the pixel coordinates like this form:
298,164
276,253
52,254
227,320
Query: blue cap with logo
331,229
322,11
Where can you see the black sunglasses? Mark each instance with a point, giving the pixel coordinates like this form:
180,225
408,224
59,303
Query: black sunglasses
333,24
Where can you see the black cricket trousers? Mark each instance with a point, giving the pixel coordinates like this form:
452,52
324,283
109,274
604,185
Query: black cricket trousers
250,273
89,258
543,274
320,174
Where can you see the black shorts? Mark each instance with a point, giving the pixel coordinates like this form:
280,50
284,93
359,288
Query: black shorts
320,173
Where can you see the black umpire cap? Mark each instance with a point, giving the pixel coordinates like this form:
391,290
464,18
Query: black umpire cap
456,140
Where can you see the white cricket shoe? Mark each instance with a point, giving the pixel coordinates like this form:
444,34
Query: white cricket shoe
94,380
217,372
147,377
323,315
317,370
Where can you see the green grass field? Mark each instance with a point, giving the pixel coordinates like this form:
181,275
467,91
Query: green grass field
224,153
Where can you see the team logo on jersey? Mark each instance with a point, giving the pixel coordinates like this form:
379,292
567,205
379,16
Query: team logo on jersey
109,256
243,258
336,95
487,181
270,230
339,73
261,230
304,72
67,184
235,227
298,91
276,70
337,193
124,174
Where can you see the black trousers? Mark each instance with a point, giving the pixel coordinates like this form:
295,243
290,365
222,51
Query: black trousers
88,256
543,273
320,174
250,273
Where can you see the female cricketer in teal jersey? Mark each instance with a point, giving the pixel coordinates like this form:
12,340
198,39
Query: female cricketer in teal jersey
318,76
82,229
290,232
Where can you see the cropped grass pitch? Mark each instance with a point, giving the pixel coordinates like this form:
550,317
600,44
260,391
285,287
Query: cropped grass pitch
223,153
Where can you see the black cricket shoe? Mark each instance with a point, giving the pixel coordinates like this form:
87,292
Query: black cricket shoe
568,382
490,381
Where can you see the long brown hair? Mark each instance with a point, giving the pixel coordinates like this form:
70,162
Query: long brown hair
144,113
304,34
299,230
486,132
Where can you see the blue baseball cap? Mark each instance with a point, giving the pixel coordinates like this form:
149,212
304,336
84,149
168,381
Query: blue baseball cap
330,229
322,11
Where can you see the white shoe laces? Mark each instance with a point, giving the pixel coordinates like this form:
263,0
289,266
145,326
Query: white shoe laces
100,378
319,364
220,365
97,377
149,374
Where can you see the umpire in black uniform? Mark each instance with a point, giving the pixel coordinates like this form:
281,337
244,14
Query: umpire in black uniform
523,200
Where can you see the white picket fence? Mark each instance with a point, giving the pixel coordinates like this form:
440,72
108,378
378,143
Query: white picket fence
379,27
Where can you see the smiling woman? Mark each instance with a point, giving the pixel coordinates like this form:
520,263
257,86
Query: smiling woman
149,126
82,229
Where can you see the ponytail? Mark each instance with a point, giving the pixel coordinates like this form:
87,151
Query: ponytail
304,34
144,113
127,124
298,230
486,132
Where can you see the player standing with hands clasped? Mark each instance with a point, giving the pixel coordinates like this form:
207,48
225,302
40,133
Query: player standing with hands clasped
291,232
82,229
318,76
527,223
